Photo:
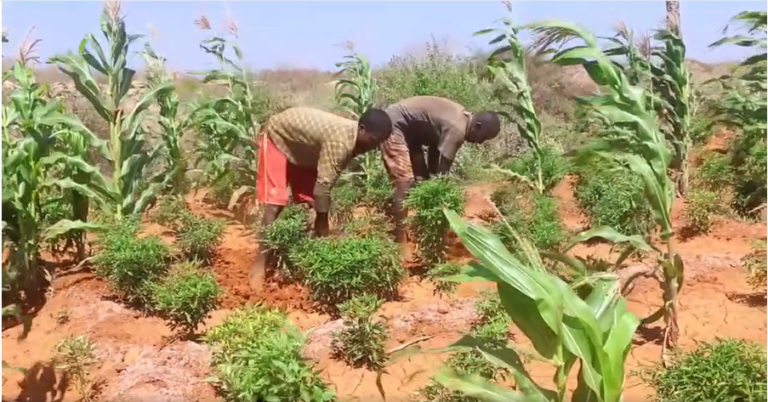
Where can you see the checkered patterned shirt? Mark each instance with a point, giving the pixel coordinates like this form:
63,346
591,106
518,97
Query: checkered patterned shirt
314,138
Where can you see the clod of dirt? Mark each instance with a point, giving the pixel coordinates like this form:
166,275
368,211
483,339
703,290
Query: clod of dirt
175,373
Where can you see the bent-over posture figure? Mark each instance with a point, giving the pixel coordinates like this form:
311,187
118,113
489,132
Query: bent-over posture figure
439,124
307,149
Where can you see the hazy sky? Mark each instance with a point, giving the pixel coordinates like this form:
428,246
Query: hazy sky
303,34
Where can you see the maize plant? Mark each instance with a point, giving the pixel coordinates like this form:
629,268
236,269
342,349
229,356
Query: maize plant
744,108
228,125
636,51
507,64
37,161
129,151
172,125
672,83
354,96
635,141
594,330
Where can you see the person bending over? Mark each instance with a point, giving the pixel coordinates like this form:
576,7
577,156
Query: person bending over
307,149
442,126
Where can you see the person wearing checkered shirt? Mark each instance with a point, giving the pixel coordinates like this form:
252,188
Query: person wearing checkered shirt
307,149
438,124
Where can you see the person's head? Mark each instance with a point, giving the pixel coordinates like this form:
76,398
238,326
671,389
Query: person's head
483,127
374,127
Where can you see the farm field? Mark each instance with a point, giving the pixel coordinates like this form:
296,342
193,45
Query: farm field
617,221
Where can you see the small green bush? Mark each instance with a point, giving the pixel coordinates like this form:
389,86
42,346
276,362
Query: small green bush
372,224
534,217
492,328
362,341
338,269
748,156
755,264
130,263
185,297
714,172
427,222
345,198
290,230
553,167
439,271
257,356
613,196
702,206
198,237
722,371
169,211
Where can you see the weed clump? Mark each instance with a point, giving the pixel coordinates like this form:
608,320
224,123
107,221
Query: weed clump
257,356
436,273
428,223
73,356
290,230
755,264
185,297
374,225
613,196
702,206
130,263
169,211
553,167
198,237
362,341
725,370
338,269
534,217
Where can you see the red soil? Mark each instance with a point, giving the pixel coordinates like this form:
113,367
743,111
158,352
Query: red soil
138,361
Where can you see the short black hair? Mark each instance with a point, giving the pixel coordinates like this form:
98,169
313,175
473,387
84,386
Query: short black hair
377,123
490,124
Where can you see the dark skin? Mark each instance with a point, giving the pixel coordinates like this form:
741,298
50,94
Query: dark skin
435,165
365,142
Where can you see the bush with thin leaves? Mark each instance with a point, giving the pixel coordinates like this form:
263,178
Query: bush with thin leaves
129,263
553,167
436,274
722,371
257,355
185,297
289,231
427,222
755,264
74,355
361,341
198,237
338,269
534,217
702,206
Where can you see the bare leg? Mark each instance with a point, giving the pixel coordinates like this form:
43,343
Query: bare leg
258,272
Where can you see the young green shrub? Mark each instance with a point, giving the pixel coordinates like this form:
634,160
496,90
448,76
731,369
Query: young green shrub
257,356
535,217
702,206
185,297
714,172
130,263
439,271
755,264
427,222
492,328
362,341
552,165
73,356
290,230
169,211
198,237
338,269
373,224
725,370
612,196
346,198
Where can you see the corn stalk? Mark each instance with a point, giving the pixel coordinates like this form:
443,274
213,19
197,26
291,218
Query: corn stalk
39,159
228,125
507,64
129,152
353,96
172,125
672,83
594,330
635,141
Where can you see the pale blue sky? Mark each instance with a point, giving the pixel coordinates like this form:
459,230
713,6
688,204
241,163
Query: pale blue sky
303,34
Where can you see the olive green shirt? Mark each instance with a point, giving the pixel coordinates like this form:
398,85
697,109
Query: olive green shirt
431,121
